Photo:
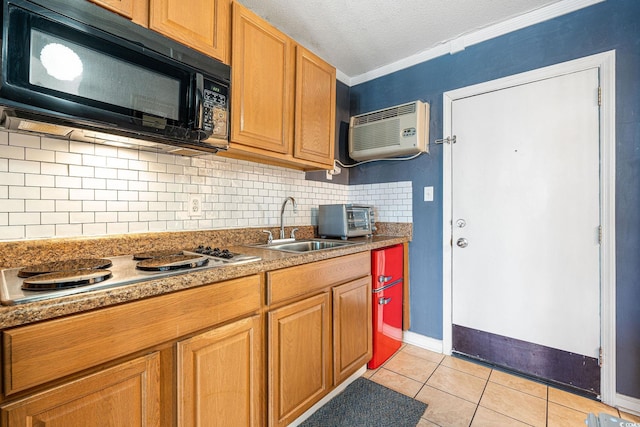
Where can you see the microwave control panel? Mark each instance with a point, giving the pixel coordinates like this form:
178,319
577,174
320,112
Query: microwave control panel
216,109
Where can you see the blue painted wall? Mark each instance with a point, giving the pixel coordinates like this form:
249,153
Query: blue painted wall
614,24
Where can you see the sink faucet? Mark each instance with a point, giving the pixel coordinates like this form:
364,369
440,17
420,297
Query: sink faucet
284,204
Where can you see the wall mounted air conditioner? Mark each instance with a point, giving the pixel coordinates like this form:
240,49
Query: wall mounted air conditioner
396,131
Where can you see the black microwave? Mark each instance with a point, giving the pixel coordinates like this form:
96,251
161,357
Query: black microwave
71,65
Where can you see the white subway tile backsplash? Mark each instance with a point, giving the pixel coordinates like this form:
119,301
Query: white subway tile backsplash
39,181
116,184
116,163
24,193
54,144
40,231
13,205
94,206
24,166
93,160
81,217
24,140
24,218
94,229
54,218
71,189
81,147
63,157
68,206
36,154
78,194
12,232
8,178
94,183
40,206
68,230
54,169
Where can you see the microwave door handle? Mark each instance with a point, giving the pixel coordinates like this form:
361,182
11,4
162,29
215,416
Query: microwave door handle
199,89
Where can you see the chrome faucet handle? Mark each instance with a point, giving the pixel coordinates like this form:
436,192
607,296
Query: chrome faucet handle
270,238
293,233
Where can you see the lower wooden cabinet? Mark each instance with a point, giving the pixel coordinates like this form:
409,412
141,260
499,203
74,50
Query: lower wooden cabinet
352,329
319,331
197,358
299,361
220,378
127,394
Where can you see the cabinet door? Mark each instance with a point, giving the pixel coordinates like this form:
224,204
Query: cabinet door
135,10
315,108
200,24
299,357
220,376
124,395
262,73
351,327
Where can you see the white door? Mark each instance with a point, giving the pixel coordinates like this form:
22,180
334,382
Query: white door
526,216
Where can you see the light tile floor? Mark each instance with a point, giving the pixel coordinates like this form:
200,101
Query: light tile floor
462,393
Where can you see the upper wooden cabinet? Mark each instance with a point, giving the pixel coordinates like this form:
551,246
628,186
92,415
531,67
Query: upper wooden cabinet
283,98
262,70
315,108
135,10
203,25
200,24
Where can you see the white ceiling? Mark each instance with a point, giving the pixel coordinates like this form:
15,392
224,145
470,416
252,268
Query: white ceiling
359,36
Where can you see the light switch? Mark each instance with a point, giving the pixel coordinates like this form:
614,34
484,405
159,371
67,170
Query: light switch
428,194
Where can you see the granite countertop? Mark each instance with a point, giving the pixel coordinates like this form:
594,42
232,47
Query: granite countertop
22,314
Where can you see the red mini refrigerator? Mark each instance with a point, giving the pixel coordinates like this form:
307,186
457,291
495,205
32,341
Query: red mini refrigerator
386,270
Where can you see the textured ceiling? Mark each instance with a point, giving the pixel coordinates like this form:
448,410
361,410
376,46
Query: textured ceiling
358,36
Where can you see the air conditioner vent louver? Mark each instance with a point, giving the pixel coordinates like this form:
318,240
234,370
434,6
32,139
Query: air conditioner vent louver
395,131
385,114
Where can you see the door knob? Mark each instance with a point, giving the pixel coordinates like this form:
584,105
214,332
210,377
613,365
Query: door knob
462,242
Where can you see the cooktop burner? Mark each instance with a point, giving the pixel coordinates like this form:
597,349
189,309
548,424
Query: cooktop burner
172,262
64,280
60,278
155,254
69,265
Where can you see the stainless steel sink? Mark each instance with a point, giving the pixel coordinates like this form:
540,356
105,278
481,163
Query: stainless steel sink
305,245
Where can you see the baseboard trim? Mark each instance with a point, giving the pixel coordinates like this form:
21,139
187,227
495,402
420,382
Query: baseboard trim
628,404
422,341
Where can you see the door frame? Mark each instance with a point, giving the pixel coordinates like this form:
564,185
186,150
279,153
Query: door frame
605,62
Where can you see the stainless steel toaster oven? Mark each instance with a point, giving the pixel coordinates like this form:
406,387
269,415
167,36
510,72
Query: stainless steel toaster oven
345,220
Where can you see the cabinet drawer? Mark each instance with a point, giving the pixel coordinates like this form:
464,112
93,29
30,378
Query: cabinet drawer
304,279
35,354
127,394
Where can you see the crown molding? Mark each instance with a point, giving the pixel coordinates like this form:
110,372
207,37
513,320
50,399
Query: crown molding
460,43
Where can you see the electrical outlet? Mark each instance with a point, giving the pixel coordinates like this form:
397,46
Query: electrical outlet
336,171
195,205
